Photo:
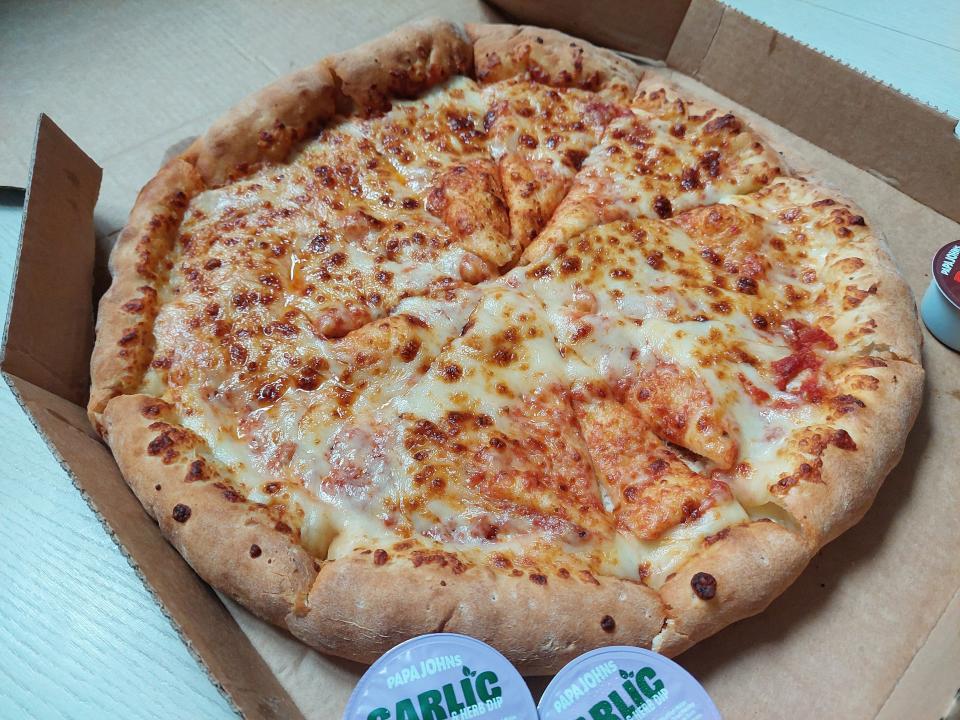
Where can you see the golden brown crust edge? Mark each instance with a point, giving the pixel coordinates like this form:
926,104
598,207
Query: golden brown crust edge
124,344
265,125
401,64
751,564
359,609
232,544
849,480
551,57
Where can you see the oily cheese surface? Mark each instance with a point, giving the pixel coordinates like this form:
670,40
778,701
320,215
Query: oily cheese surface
500,323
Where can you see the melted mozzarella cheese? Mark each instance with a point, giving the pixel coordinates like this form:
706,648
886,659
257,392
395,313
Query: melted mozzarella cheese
628,557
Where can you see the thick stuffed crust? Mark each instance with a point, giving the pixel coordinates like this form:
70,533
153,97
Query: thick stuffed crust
360,610
358,606
127,310
401,64
265,125
503,51
849,480
232,544
751,564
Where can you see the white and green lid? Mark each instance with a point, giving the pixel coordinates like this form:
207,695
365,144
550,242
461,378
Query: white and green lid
625,683
443,676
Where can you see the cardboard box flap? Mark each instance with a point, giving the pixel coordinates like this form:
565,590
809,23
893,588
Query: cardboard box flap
641,27
196,612
49,329
909,145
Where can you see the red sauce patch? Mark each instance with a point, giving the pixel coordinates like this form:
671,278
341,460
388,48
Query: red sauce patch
756,394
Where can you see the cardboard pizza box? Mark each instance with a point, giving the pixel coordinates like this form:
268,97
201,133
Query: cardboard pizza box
869,630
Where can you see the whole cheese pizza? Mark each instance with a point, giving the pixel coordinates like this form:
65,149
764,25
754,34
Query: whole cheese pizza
488,330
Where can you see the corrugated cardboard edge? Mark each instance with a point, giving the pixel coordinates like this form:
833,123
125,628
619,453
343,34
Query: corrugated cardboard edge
907,144
54,269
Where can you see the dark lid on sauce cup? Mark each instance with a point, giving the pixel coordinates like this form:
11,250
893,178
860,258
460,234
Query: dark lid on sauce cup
625,683
442,676
946,272
940,307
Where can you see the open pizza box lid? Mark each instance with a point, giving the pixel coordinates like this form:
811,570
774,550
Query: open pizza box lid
869,630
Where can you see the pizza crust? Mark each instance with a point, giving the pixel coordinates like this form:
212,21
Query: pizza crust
751,565
874,288
266,125
400,64
127,310
217,532
357,607
551,57
826,506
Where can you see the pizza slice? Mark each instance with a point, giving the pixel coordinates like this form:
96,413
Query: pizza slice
659,495
668,154
540,136
819,245
488,442
715,328
336,232
279,424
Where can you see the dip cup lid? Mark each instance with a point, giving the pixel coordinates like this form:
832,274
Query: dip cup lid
442,675
625,683
946,271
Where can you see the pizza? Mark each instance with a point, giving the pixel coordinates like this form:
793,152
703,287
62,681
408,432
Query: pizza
489,330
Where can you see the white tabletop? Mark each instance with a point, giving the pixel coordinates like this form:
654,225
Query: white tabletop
80,636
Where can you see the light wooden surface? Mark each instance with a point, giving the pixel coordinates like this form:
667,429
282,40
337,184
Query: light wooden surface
80,637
